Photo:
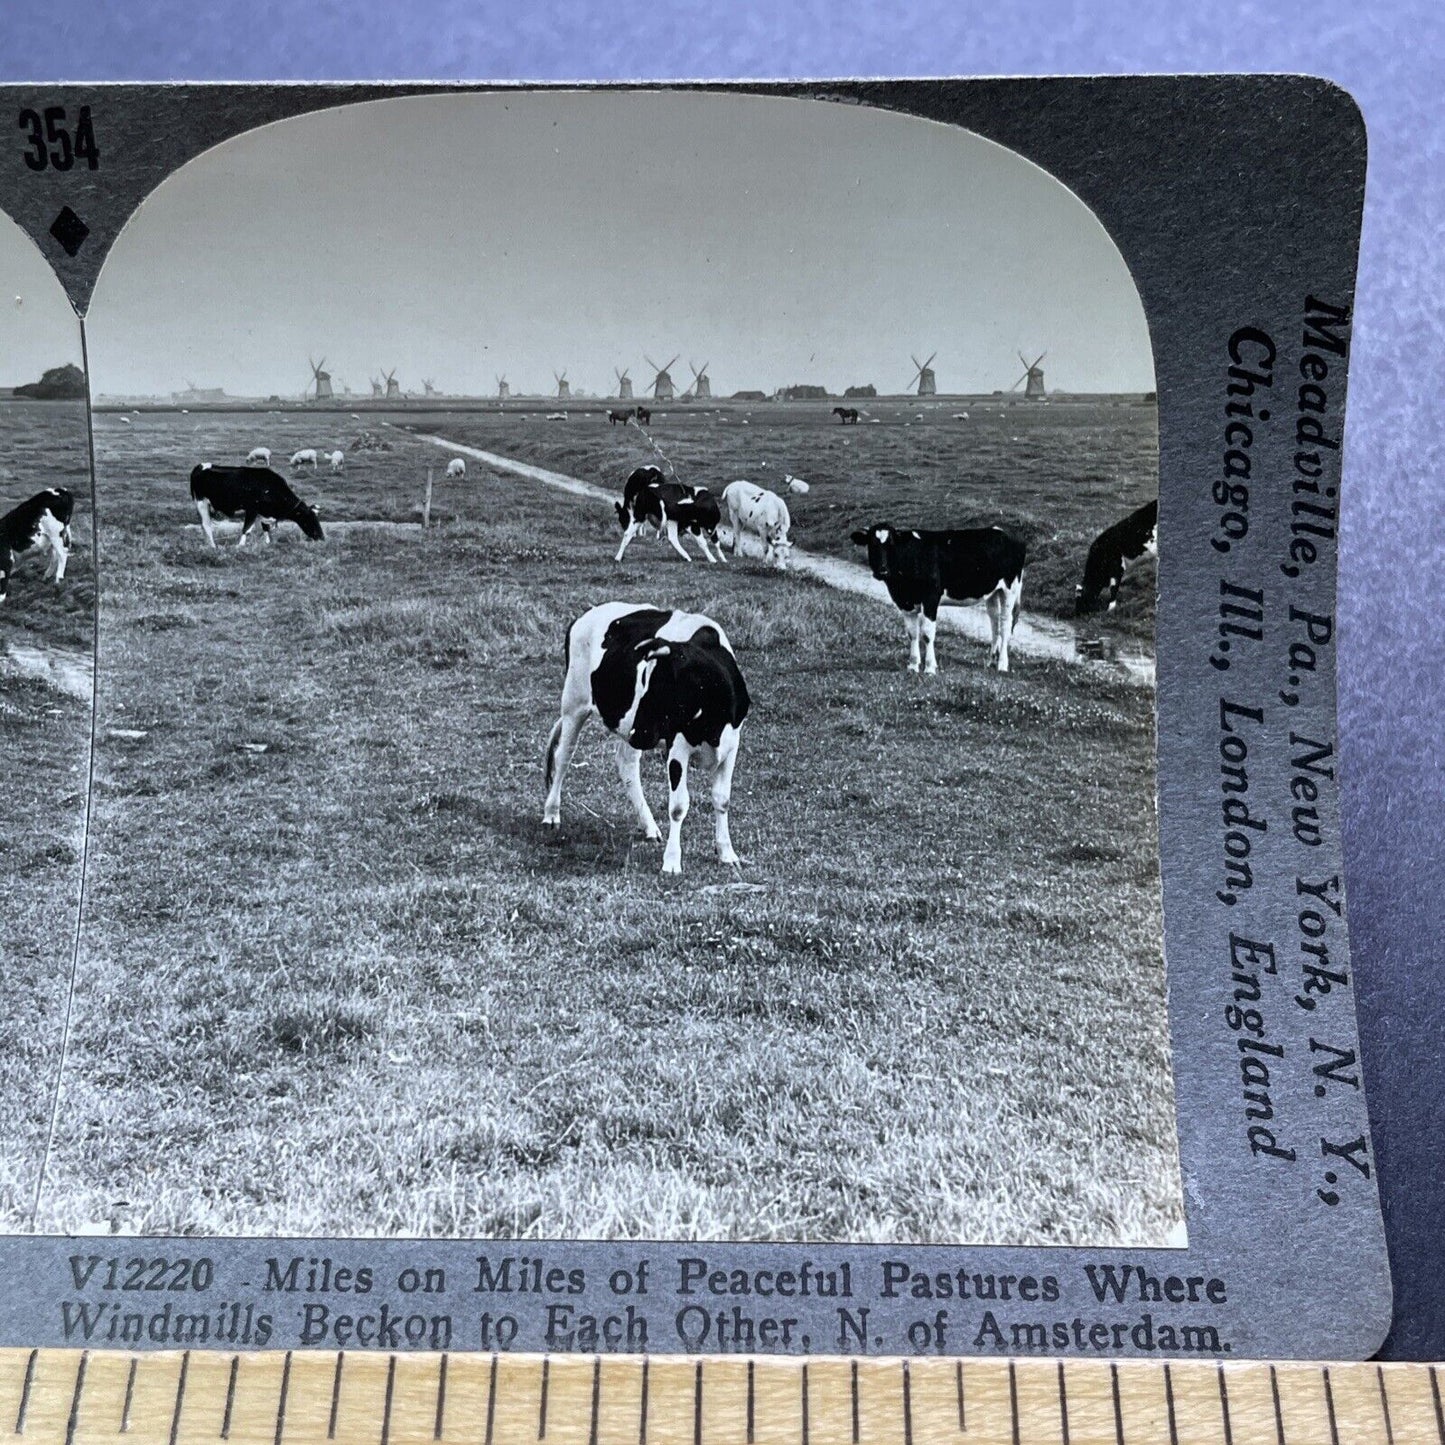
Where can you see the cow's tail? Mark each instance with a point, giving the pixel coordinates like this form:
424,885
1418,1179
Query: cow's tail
550,765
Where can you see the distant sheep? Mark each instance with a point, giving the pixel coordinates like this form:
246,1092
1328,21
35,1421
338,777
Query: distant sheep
456,468
258,457
337,459
304,458
796,484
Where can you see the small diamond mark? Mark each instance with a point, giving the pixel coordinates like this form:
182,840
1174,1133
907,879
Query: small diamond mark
69,230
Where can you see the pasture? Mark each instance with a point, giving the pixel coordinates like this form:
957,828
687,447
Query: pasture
46,656
334,978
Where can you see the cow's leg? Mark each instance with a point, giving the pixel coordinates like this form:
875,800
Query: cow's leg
726,756
998,629
678,756
204,508
266,529
629,769
60,554
670,527
628,534
911,620
248,521
1013,601
1114,589
7,562
929,626
560,746
706,551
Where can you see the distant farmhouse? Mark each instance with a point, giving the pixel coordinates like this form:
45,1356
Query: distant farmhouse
804,393
194,393
857,391
750,396
60,383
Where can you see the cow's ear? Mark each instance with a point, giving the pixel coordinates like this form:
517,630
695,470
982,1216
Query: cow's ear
860,539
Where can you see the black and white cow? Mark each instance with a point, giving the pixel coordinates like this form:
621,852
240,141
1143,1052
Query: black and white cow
653,676
250,493
974,564
41,521
1136,535
652,499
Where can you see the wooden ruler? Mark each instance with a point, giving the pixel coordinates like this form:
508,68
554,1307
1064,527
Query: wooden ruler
173,1398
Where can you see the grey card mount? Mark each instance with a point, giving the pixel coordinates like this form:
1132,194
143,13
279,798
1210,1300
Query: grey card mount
713,719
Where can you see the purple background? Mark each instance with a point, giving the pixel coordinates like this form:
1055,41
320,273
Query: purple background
1390,55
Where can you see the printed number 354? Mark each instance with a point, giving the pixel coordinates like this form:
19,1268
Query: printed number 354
53,143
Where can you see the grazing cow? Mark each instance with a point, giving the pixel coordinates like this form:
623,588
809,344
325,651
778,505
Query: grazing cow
976,564
653,676
644,416
42,521
337,460
613,417
1136,535
667,506
304,458
848,415
456,468
250,493
259,456
750,508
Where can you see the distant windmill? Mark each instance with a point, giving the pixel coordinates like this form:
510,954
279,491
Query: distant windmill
393,391
564,389
662,380
503,389
320,380
430,387
624,385
1032,379
701,386
376,387
923,375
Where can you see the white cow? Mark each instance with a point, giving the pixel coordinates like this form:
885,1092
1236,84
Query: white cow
337,459
456,468
259,457
748,507
304,458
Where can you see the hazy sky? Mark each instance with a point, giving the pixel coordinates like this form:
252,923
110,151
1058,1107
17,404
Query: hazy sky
38,328
456,237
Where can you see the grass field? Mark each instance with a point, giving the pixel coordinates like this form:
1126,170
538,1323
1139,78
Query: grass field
1053,475
46,637
333,977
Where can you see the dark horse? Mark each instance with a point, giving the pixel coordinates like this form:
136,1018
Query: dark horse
848,415
613,417
644,417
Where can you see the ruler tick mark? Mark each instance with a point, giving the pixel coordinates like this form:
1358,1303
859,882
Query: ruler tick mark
1224,1408
752,1404
24,1409
74,1416
1063,1406
285,1390
1169,1401
596,1399
642,1409
436,1433
492,1401
1330,1406
335,1395
386,1408
853,1373
130,1395
697,1405
907,1406
958,1381
542,1407
230,1397
1385,1406
181,1395
805,1404
1435,1393
1013,1400
1118,1408
1278,1413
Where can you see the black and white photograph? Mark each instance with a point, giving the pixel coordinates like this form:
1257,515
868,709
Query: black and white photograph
47,655
624,694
